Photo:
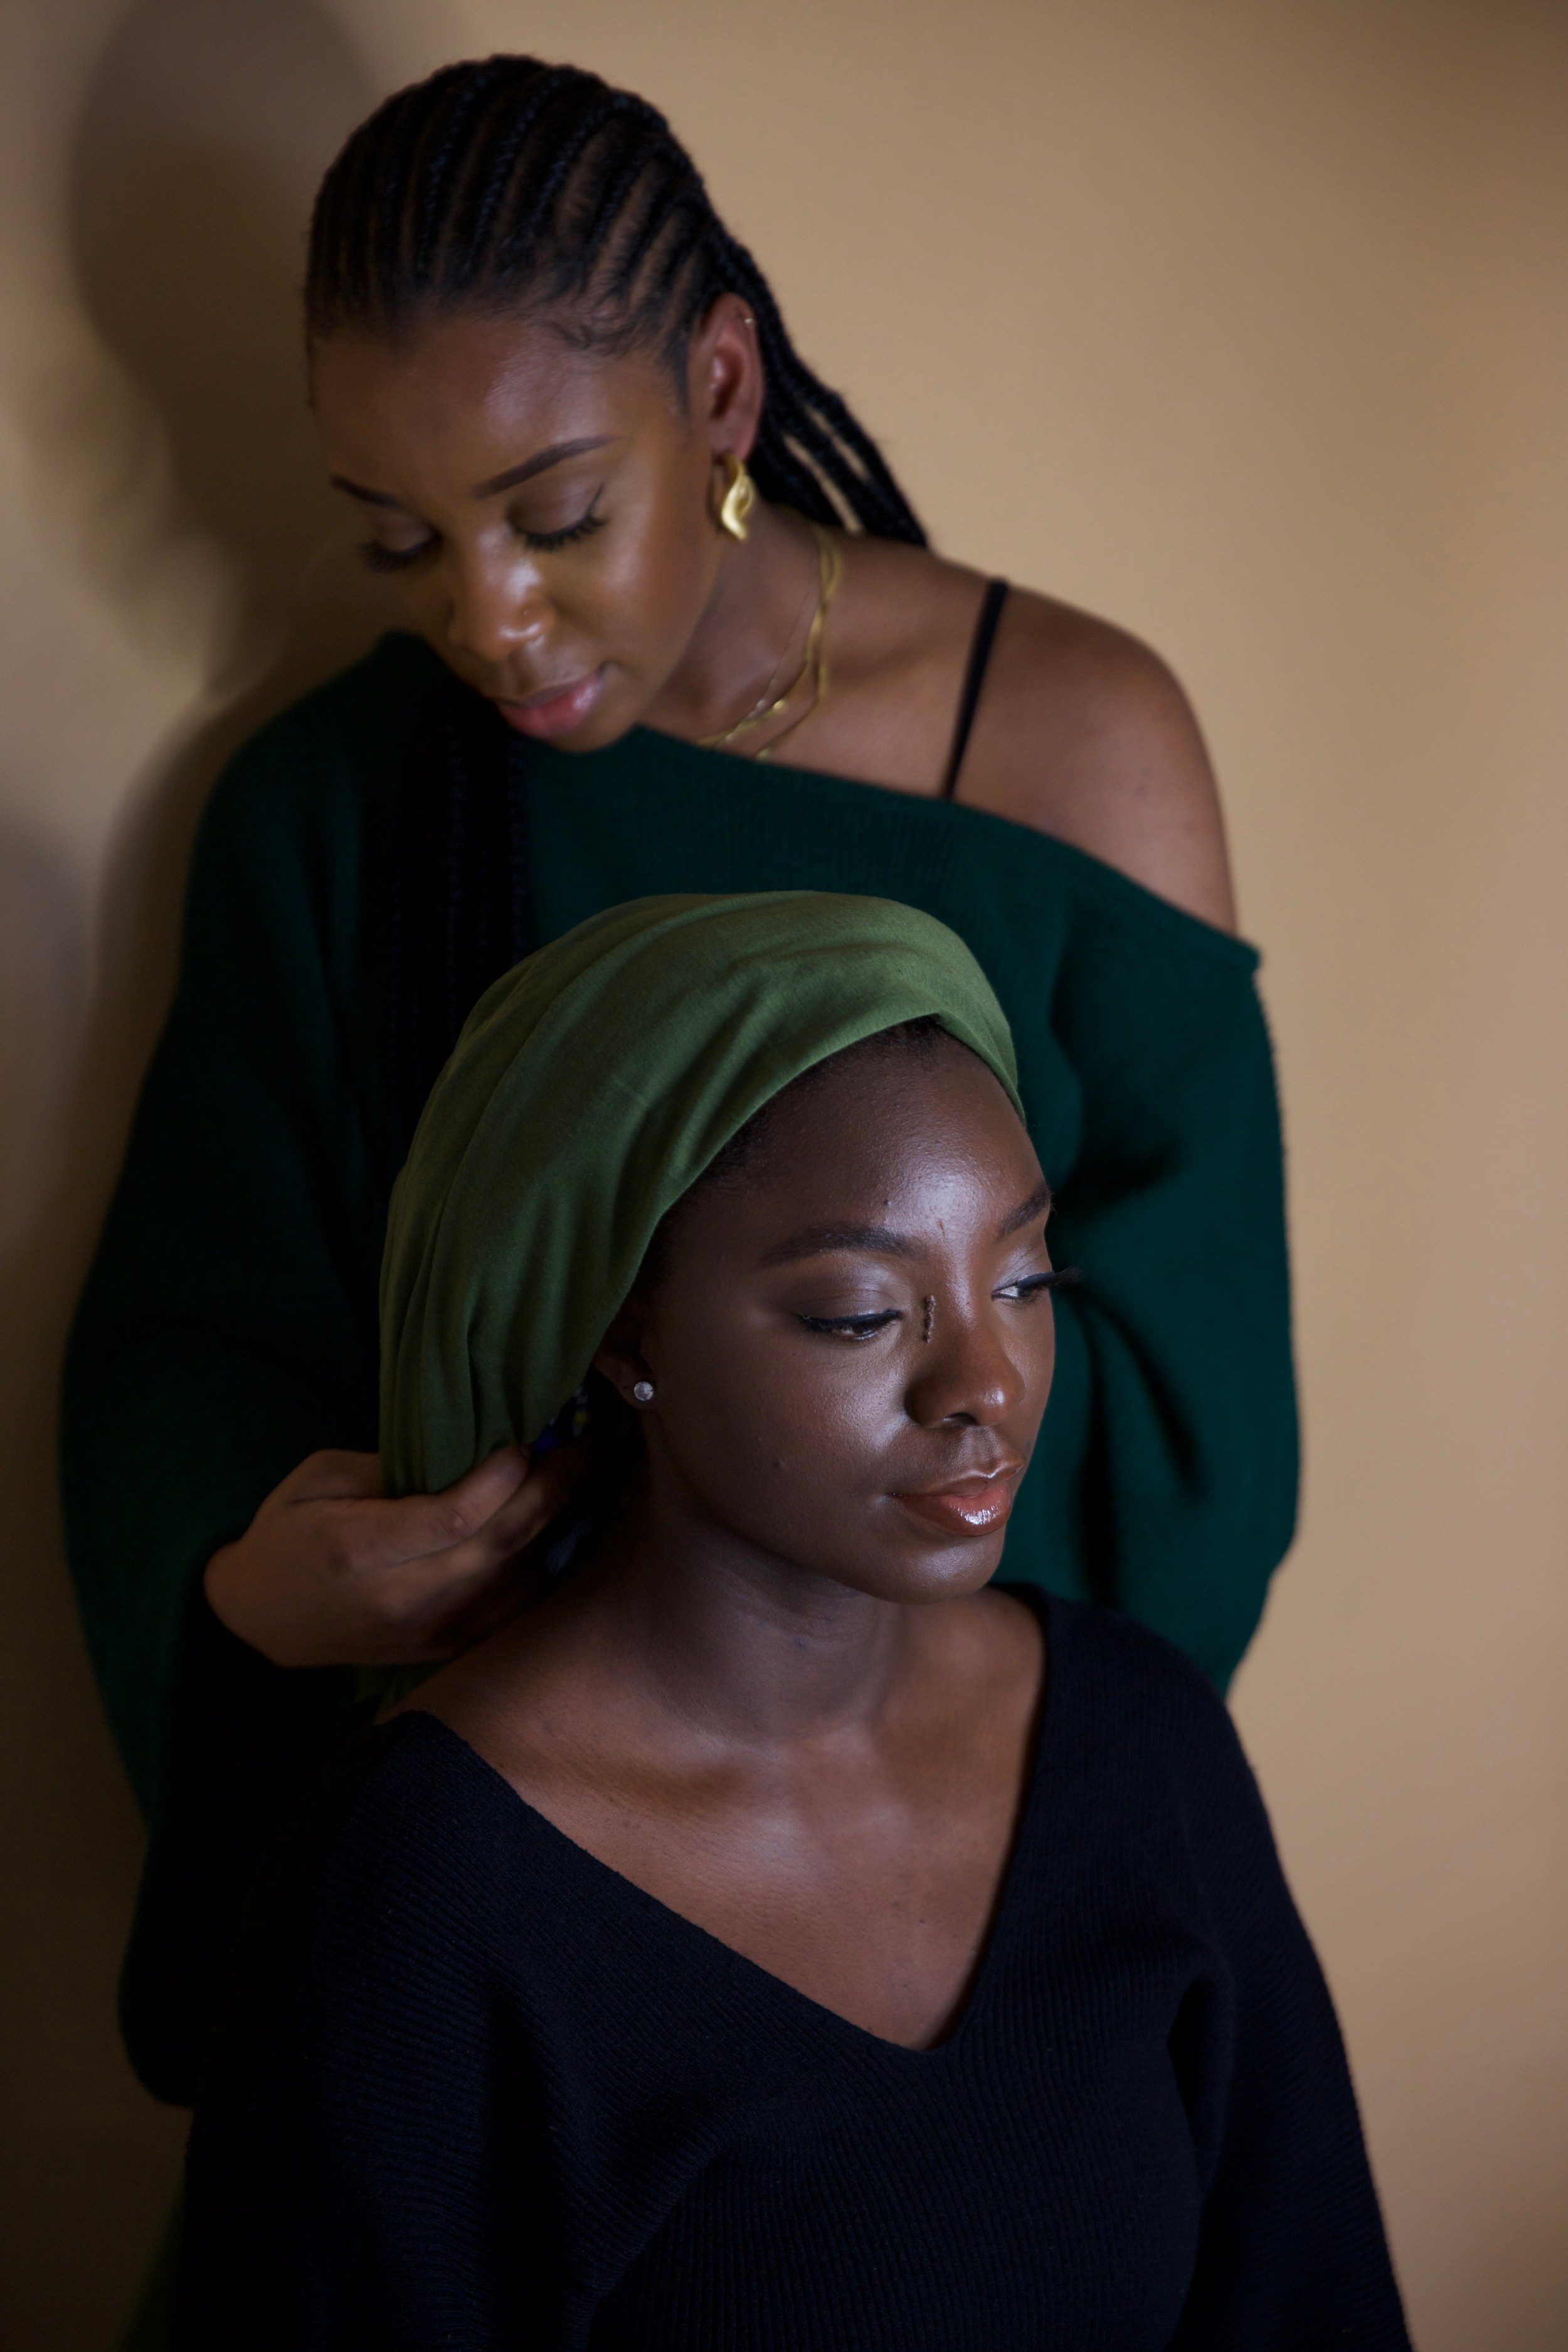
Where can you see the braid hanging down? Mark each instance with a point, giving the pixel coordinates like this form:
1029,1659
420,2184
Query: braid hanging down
511,183
457,916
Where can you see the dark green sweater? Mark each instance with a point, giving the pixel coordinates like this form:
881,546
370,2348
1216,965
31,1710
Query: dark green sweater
229,1324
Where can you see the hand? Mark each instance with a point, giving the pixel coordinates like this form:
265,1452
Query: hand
330,1573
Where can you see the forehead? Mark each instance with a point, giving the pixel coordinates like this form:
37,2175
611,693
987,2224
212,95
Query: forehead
929,1139
449,393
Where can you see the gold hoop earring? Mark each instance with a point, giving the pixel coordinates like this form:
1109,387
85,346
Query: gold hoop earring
739,496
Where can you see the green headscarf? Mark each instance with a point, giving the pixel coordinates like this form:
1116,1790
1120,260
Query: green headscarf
590,1088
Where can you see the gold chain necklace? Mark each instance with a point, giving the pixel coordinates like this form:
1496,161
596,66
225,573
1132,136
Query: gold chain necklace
765,703
830,571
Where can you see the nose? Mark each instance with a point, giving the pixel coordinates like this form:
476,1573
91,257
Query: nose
498,610
967,1371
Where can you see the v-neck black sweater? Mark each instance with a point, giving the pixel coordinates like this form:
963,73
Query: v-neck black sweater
473,2088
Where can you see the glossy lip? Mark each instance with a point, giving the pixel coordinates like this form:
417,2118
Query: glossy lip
554,709
972,1505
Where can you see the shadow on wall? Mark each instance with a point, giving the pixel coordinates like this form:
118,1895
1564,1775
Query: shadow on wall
202,138
203,134
85,2167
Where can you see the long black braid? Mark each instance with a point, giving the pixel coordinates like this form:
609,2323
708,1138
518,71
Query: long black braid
456,904
513,185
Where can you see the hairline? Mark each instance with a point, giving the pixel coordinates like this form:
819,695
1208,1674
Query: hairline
395,323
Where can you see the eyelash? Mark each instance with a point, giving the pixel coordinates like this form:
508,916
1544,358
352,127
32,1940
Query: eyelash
851,1327
865,1327
379,558
1060,1278
584,528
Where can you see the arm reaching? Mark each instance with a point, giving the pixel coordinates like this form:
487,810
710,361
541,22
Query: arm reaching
328,1573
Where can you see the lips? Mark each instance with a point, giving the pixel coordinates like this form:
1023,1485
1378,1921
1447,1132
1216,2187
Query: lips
554,709
972,1505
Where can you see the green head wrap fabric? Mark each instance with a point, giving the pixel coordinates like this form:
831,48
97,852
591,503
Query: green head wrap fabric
590,1088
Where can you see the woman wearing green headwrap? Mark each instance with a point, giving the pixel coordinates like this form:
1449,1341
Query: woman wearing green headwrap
780,1936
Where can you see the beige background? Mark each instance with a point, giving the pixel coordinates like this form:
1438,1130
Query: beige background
1245,324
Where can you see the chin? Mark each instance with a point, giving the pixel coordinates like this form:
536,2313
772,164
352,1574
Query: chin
953,1572
616,716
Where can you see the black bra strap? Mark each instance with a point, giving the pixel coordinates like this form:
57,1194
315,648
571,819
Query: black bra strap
974,678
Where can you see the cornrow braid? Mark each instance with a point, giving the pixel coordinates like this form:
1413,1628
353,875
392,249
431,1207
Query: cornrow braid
510,182
508,185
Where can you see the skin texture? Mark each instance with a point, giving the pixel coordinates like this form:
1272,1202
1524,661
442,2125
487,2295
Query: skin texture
780,1699
645,613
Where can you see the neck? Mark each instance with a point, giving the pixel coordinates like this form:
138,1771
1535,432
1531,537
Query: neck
756,615
744,1645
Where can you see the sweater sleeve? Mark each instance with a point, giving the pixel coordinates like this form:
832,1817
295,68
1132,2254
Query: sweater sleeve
1166,1471
1291,2255
227,1328
363,2171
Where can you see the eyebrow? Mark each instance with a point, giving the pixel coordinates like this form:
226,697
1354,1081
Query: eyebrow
1038,1204
556,454
358,490
821,1241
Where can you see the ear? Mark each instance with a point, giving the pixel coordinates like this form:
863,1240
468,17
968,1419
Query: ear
726,385
619,1356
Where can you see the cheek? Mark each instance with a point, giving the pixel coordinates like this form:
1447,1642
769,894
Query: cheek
644,600
633,597
1030,1341
778,1441
636,598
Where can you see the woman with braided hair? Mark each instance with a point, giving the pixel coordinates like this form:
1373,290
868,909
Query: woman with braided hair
675,628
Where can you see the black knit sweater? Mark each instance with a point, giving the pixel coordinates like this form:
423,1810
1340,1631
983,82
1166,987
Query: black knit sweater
472,2088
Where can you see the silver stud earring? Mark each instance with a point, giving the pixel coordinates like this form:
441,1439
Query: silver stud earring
643,1391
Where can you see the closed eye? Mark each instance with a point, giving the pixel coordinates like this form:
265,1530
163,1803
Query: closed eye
1060,1278
584,528
851,1327
375,557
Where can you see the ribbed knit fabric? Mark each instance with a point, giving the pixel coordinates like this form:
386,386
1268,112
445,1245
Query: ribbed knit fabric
472,2088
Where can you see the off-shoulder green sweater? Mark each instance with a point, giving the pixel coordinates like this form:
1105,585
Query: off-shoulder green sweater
228,1326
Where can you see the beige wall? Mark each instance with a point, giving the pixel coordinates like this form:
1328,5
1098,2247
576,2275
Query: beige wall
1245,324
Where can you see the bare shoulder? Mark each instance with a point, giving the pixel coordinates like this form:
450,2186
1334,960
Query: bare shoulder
1081,730
1083,733
497,1695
